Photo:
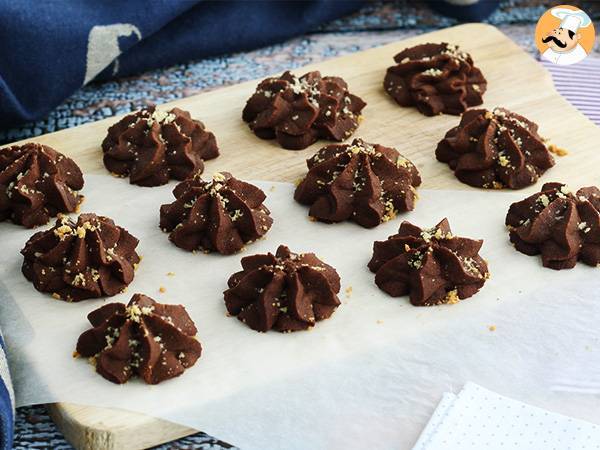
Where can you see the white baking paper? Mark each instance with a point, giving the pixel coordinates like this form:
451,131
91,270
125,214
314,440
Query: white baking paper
479,419
369,377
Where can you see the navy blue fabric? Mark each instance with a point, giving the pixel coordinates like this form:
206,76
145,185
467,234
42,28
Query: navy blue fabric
44,45
471,12
6,411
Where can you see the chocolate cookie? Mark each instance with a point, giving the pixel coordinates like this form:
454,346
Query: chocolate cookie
366,183
431,266
299,110
284,292
436,78
219,215
37,183
152,146
495,149
144,338
562,226
75,261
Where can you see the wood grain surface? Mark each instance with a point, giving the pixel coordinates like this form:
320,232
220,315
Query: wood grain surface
515,81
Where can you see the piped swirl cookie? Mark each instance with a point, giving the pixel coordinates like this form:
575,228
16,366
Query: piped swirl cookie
37,183
495,149
561,225
431,266
297,111
366,183
74,261
153,146
284,292
220,215
436,79
144,338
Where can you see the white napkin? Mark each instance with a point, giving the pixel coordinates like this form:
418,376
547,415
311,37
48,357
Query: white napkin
477,418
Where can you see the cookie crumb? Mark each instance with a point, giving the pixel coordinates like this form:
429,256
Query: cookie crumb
348,291
170,274
492,328
557,150
452,297
162,290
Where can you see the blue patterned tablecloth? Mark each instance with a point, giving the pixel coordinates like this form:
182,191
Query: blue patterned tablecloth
377,24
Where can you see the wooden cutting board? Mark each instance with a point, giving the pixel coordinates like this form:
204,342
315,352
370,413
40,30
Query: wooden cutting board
515,81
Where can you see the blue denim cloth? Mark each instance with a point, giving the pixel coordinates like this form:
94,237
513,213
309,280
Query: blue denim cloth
6,403
50,49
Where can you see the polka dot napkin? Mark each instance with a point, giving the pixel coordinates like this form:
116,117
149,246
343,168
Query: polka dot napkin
476,418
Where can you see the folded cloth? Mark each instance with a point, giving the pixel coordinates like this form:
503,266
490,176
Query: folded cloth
579,83
50,49
477,418
6,402
466,10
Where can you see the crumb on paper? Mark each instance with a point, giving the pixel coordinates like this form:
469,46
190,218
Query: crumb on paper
348,291
452,297
75,354
379,321
312,218
162,289
298,181
56,296
272,188
170,274
558,151
492,328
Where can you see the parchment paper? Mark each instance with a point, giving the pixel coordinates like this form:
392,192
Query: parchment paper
369,377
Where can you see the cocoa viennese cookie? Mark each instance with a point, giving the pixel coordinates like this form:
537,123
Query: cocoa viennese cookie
297,111
222,215
495,149
366,183
77,260
36,184
152,146
436,79
561,225
432,266
144,338
284,292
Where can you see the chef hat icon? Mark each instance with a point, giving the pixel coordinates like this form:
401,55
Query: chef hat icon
571,19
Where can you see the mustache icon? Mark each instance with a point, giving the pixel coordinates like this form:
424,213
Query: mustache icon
558,42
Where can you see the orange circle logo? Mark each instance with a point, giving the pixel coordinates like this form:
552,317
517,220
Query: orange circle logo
564,35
